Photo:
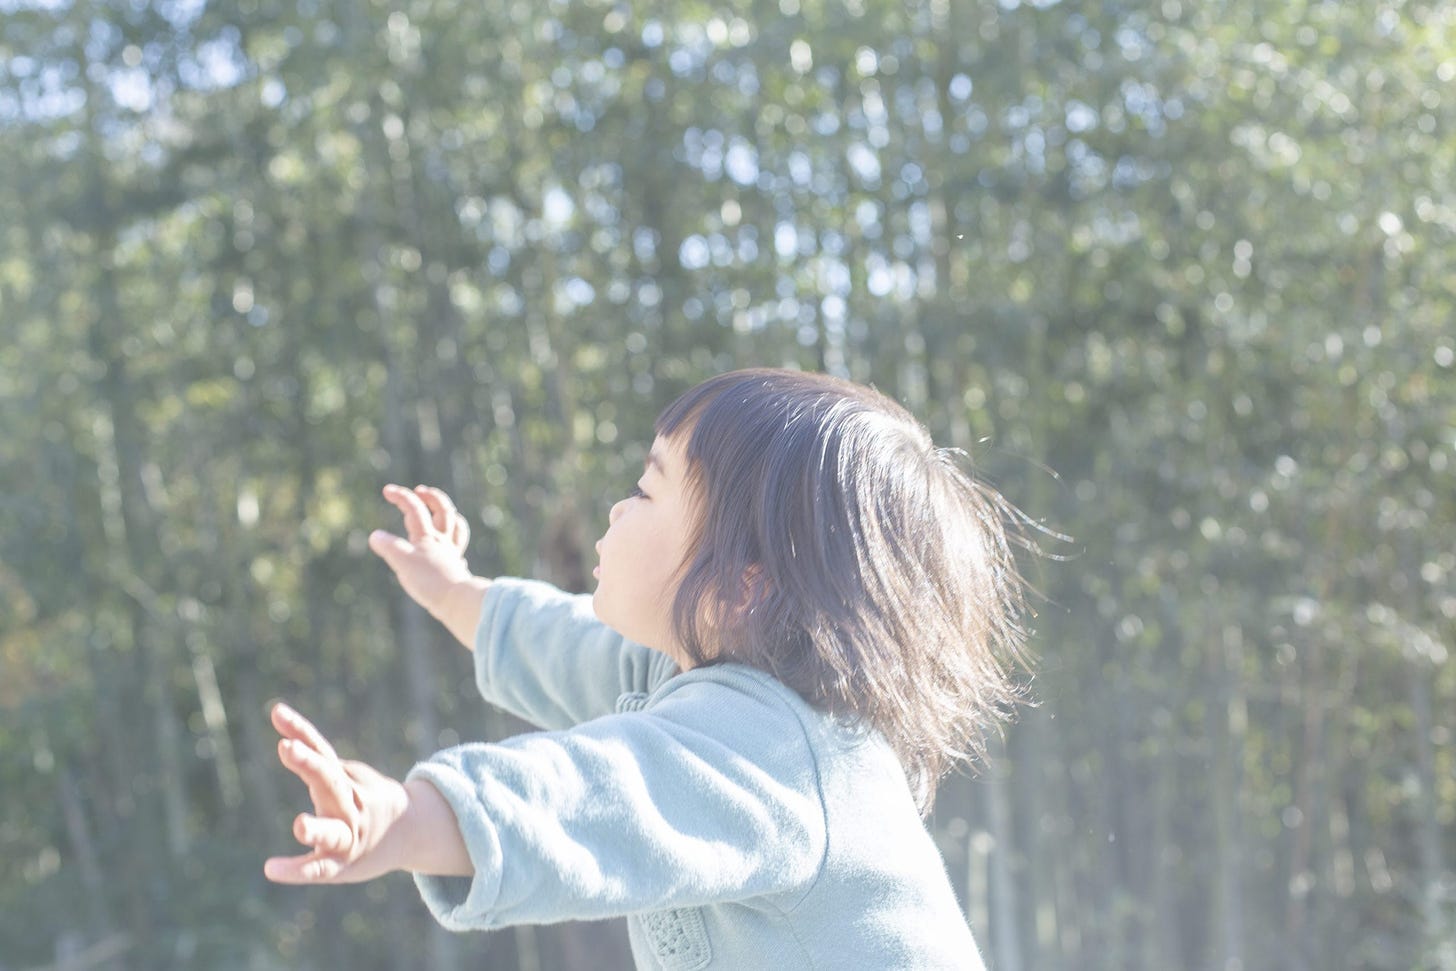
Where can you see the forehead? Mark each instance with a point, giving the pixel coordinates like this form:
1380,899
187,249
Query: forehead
665,456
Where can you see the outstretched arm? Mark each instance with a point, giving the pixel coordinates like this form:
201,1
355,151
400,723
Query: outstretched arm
364,824
710,794
429,560
541,654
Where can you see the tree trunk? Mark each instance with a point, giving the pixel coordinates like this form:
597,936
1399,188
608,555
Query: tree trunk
83,847
1431,869
1002,890
1226,719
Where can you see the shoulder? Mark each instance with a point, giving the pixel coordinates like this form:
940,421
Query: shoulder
743,709
720,690
745,715
766,721
741,691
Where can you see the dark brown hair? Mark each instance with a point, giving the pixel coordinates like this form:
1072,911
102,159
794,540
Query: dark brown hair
841,551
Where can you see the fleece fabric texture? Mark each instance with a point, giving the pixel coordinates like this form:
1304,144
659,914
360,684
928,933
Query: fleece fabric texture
732,824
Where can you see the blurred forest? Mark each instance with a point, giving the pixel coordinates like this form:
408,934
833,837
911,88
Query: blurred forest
1180,275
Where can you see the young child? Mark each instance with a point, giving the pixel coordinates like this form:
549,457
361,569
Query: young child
805,615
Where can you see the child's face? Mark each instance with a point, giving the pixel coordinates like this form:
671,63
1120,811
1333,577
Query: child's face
646,542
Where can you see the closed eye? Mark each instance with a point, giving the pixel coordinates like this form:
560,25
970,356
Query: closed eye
636,493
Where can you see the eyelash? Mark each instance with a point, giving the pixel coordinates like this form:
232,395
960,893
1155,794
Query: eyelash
636,493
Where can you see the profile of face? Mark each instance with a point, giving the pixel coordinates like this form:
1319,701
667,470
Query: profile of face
643,550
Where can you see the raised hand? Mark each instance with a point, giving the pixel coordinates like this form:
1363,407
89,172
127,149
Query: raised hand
354,808
430,559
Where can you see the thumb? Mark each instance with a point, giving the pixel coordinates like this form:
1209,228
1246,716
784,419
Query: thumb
389,547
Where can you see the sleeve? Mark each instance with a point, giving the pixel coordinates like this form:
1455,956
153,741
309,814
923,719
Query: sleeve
542,655
710,795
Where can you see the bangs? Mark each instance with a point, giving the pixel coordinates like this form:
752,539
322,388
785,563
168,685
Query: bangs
687,409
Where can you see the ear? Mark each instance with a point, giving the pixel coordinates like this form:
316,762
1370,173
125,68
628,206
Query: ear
753,589
728,613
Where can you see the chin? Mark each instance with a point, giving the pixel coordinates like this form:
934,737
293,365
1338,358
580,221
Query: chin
604,614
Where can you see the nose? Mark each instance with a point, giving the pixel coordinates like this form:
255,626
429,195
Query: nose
615,511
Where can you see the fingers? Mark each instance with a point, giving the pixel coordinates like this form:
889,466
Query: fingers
387,546
309,868
324,776
440,505
323,834
305,752
445,516
428,513
291,725
418,520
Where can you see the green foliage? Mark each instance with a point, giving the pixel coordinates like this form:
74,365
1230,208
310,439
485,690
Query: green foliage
257,259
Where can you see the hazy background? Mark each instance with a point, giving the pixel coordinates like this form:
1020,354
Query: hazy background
1178,275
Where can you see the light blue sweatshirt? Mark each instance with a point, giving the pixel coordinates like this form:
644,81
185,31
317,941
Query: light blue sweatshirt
735,826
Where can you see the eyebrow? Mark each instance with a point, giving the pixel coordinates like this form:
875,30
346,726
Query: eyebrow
655,461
